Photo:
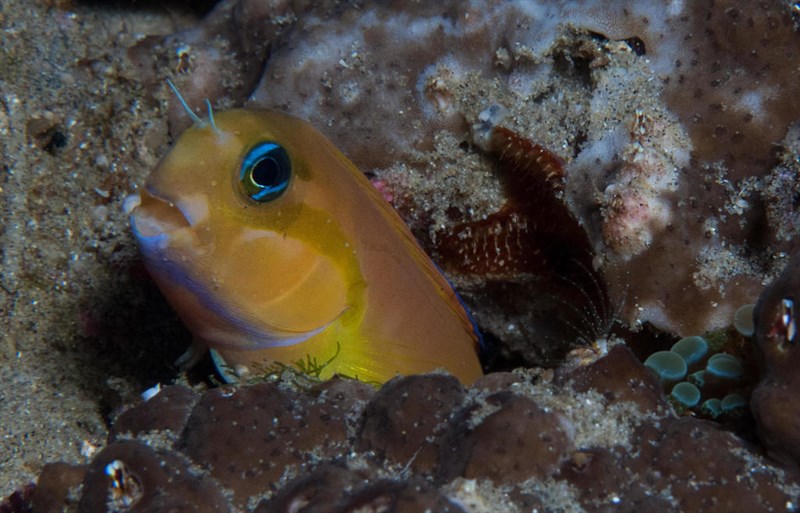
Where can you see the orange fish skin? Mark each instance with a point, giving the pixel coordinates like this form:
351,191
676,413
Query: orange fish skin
327,270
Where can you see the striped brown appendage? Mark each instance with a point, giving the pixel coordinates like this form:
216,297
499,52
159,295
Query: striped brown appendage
532,164
534,234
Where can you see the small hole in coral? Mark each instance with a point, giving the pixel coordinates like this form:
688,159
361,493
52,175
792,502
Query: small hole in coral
637,45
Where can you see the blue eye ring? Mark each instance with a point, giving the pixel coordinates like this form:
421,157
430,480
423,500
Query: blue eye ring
265,172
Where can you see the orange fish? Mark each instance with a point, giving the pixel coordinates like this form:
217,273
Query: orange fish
274,248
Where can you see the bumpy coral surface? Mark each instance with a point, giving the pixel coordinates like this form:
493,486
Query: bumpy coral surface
596,438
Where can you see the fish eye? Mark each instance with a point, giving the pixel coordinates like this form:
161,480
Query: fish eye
265,171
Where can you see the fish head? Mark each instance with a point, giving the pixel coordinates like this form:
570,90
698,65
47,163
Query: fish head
239,230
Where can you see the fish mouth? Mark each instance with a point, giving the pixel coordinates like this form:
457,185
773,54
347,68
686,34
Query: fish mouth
154,217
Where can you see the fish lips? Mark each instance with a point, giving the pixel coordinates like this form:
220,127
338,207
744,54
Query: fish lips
160,223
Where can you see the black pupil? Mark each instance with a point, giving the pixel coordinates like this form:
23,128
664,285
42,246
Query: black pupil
266,172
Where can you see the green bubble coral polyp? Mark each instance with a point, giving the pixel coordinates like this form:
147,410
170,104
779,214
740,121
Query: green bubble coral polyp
706,375
691,349
668,366
686,394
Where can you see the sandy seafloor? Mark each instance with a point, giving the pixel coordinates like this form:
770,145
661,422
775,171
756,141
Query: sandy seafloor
82,328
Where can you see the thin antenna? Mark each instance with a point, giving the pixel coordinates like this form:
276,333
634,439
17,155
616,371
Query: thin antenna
211,118
195,117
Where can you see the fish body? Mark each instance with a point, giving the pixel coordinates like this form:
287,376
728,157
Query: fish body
273,247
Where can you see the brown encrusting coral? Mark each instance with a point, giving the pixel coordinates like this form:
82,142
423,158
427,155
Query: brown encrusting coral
597,438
